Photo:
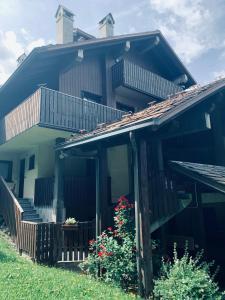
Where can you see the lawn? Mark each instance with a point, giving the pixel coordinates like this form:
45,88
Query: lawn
21,279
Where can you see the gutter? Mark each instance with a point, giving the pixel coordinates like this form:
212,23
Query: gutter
68,145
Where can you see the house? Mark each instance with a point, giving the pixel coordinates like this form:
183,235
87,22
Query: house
89,119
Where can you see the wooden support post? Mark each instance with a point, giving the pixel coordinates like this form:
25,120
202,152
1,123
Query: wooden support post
101,190
142,217
58,202
98,198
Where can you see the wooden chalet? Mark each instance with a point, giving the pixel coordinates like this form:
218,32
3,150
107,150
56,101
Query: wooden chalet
90,119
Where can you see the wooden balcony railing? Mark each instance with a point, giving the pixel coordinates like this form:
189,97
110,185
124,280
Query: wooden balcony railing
130,75
53,109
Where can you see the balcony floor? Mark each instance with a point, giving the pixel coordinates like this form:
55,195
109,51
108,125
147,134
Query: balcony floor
32,137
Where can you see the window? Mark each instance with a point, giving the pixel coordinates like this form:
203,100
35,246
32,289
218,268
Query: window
91,97
124,107
6,170
31,162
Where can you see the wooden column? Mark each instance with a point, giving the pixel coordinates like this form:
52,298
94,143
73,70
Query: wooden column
142,217
101,190
58,202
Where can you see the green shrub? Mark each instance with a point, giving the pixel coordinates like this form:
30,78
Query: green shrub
186,278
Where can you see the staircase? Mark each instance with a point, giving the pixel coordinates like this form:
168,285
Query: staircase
30,214
183,200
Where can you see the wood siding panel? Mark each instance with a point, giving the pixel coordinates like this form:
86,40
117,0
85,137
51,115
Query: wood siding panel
85,75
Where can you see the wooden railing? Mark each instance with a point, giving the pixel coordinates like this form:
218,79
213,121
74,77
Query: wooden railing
75,241
44,242
10,209
164,202
131,75
53,109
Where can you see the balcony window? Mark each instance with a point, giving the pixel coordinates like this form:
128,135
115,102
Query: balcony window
91,97
124,107
6,170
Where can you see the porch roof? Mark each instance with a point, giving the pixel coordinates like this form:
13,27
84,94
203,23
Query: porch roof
155,115
210,175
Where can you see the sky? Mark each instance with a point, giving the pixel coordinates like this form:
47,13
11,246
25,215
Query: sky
194,28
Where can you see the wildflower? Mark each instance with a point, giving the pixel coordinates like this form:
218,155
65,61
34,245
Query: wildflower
109,228
91,242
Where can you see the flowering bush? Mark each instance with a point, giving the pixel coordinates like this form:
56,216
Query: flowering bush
112,255
186,278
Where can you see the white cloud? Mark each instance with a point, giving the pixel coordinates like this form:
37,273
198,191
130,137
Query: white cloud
11,48
219,74
188,24
36,43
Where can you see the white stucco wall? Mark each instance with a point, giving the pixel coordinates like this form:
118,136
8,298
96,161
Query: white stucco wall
118,170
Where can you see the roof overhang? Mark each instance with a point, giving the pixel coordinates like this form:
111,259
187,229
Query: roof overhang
210,175
147,122
46,57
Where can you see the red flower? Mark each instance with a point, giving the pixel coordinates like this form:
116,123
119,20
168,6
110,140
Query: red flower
91,242
102,246
100,254
123,206
109,228
109,253
121,222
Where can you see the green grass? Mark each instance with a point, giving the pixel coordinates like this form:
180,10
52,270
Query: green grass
20,279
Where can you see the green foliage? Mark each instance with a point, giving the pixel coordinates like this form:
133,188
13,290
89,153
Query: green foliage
112,255
186,278
20,279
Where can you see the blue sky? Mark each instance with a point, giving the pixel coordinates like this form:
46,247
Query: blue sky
194,28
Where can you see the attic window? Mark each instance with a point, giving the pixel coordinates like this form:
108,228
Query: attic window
31,162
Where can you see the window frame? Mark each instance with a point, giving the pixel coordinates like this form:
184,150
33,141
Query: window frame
10,167
31,162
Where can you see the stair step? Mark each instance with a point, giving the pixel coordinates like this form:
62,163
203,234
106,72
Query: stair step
36,220
30,215
29,210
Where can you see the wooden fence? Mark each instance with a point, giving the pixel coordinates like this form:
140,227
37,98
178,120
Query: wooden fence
44,242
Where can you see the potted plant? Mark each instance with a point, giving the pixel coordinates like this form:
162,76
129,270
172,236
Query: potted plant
70,223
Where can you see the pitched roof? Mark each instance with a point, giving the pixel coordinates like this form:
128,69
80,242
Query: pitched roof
155,115
45,52
211,175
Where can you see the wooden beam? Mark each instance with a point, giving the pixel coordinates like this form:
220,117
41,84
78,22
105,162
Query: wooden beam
80,55
127,46
58,200
142,217
181,79
101,190
151,45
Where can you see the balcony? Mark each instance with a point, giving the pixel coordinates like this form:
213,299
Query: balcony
128,75
55,110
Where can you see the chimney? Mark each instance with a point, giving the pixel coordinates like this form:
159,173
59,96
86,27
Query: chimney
106,26
64,25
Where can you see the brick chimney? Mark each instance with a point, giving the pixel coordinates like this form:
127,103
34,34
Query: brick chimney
106,26
64,25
